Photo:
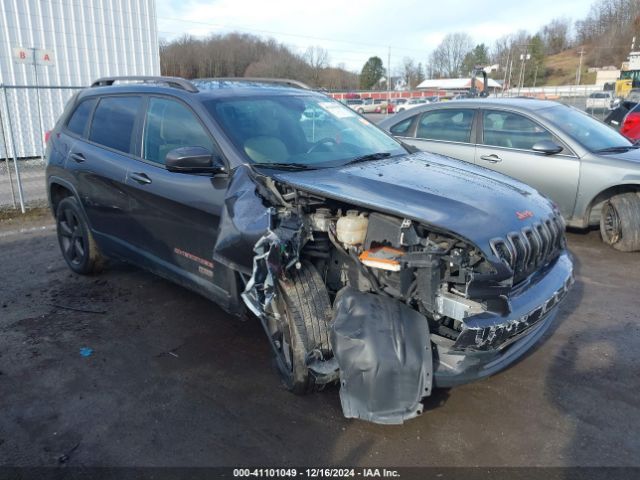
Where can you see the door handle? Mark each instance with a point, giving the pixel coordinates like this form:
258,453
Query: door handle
141,178
78,157
493,158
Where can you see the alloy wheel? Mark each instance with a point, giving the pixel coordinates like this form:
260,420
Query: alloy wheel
72,237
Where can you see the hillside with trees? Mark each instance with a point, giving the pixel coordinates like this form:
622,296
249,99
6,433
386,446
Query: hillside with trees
551,55
244,55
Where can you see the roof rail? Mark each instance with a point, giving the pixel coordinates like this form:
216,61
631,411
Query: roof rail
175,82
282,81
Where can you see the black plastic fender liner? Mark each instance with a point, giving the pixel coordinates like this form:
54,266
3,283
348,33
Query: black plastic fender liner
383,349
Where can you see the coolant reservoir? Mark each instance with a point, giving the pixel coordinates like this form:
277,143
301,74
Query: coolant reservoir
352,228
321,219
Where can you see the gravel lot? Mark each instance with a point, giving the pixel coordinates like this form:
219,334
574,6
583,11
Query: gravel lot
174,381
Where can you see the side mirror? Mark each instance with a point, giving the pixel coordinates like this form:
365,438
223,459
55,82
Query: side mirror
547,147
193,160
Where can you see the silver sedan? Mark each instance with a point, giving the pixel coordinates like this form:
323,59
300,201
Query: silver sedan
591,171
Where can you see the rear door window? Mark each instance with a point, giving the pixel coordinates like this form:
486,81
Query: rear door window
114,121
170,124
510,130
449,124
80,117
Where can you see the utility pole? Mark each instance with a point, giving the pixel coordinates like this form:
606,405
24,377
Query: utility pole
521,73
506,68
34,53
510,72
535,76
523,65
579,72
388,81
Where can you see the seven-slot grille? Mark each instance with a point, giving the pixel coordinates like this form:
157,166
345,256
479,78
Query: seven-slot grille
531,247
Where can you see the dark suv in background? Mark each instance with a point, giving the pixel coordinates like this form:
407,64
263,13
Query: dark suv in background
386,270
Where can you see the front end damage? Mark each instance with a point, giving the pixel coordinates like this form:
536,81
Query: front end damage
414,306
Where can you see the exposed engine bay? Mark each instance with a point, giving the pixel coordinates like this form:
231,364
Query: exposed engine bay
398,289
378,253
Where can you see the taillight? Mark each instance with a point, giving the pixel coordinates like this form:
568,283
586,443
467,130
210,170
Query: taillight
47,136
631,126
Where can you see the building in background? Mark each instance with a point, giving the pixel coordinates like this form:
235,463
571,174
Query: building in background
604,76
77,41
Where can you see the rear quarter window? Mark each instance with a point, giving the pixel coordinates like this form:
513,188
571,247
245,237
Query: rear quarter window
402,128
113,122
80,117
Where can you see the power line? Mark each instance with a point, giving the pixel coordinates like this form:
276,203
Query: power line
274,32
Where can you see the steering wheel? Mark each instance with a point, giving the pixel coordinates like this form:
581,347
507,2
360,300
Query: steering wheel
322,141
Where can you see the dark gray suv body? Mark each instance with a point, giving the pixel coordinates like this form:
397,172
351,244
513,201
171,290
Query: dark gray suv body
388,271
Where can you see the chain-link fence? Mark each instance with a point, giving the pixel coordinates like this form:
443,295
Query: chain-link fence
590,98
26,113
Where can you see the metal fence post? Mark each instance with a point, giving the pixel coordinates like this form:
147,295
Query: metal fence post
41,133
6,158
13,148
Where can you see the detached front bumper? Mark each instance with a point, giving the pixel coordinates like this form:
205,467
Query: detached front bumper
490,342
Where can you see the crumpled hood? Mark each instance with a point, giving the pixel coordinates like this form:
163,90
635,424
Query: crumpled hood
470,201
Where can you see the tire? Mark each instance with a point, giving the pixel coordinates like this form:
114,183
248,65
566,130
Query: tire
620,222
305,318
360,111
77,245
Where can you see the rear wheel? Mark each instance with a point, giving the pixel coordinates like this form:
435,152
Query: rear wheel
78,247
620,222
299,325
360,111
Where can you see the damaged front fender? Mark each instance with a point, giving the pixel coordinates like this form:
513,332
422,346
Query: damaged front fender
256,219
245,219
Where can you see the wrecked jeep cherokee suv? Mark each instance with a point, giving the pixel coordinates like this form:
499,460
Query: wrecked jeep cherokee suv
387,271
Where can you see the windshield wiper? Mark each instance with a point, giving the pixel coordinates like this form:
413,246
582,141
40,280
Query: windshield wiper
284,166
371,156
619,148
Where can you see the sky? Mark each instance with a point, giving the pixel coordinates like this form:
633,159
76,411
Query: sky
352,31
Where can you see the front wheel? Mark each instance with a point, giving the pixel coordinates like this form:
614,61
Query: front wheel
620,222
299,326
78,247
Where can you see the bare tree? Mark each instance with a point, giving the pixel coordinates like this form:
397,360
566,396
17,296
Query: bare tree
609,28
447,58
339,78
318,59
408,72
556,35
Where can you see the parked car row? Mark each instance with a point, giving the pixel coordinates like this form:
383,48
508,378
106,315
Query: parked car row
411,103
626,116
369,105
598,101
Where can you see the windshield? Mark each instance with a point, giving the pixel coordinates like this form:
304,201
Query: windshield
586,130
307,130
